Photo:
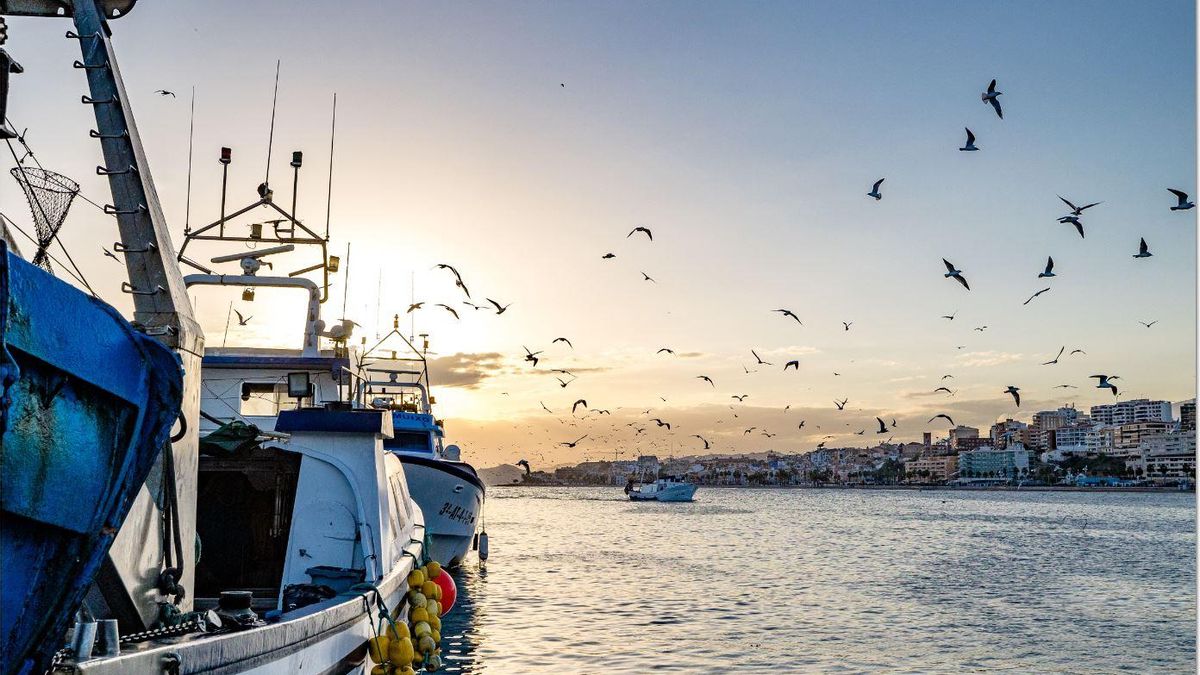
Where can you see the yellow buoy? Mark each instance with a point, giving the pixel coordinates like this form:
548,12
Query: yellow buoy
434,608
421,629
429,589
382,669
416,578
426,644
437,637
401,651
377,647
435,622
434,569
437,594
418,614
417,599
398,630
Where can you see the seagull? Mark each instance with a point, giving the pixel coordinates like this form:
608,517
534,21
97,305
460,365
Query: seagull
1060,353
574,442
992,96
945,389
1104,382
1065,386
981,328
665,349
841,405
946,377
1049,272
578,403
1077,351
608,256
448,308
499,309
457,277
1147,325
639,228
792,364
531,356
661,423
242,321
563,383
1078,210
847,325
110,254
1016,397
944,416
1184,204
563,339
646,277
1074,220
473,306
1143,250
970,146
706,446
545,408
950,316
957,274
740,398
414,307
802,423
788,312
706,379
1034,296
165,92
882,426
759,359
875,190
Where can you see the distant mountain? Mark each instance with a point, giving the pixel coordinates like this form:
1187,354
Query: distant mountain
505,474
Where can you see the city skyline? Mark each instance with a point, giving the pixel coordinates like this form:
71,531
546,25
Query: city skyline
747,143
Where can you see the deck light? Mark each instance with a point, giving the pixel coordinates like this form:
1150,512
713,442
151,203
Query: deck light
299,385
248,295
297,158
333,263
256,230
226,155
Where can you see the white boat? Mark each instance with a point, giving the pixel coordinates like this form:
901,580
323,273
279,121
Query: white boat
449,491
666,489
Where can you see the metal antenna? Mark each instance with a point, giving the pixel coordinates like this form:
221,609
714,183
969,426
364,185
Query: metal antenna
271,135
187,209
228,314
346,281
412,298
329,192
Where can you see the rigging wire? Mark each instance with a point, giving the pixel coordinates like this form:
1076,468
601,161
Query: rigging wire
35,243
271,134
187,209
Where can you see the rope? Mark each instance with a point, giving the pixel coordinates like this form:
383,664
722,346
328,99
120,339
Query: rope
168,579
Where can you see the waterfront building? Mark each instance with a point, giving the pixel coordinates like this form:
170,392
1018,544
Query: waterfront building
1129,437
988,462
961,432
927,439
1046,421
1137,410
1169,456
1009,431
1187,416
968,444
938,468
1075,439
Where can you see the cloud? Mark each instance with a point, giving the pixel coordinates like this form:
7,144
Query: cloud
988,358
465,370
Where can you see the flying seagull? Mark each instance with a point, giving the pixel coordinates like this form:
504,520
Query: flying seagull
242,320
165,92
943,416
639,228
1060,353
1143,250
788,312
970,146
741,397
1184,204
947,377
1073,220
841,405
702,439
646,277
956,273
457,277
563,383
706,379
1034,296
1078,210
759,359
1077,351
1147,325
847,325
665,349
545,408
875,190
945,389
1104,382
563,339
1016,397
882,426
950,316
992,96
531,356
499,309
1065,386
792,364
110,254
608,256
448,308
575,442
661,423
1049,271
578,403
414,307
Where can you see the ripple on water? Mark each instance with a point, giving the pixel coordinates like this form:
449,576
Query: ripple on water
583,581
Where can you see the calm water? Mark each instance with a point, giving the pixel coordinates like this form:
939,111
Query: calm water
584,581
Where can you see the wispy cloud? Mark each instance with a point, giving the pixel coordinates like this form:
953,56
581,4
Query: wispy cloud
465,370
987,358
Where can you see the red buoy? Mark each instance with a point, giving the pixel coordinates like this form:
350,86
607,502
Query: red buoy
449,591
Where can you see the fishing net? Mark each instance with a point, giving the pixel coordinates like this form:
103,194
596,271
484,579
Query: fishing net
50,195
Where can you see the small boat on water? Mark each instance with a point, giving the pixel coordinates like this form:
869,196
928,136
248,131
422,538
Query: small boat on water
665,489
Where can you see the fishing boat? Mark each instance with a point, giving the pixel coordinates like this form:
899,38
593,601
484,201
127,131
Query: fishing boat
449,490
665,489
311,532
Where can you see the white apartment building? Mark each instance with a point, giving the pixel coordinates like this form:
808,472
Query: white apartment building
1137,410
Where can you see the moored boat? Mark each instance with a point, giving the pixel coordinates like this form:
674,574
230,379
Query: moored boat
665,489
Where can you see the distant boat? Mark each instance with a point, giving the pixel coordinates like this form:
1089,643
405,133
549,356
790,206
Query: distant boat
668,489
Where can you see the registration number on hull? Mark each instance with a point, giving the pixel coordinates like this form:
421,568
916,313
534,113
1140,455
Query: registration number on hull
457,513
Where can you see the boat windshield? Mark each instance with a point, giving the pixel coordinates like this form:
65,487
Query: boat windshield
409,441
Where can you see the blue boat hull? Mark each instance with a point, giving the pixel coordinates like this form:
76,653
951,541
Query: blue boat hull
86,407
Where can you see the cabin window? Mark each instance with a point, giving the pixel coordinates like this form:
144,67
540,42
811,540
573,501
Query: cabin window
408,440
263,399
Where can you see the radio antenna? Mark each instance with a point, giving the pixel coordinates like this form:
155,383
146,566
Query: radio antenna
187,209
271,135
329,192
346,281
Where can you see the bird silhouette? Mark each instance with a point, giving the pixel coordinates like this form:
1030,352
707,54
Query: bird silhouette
448,308
1077,210
1030,299
792,364
608,256
1016,397
951,271
1147,325
841,405
1049,271
1074,220
1143,250
706,379
578,403
704,440
993,97
970,146
165,92
1055,360
242,320
647,277
563,339
759,359
499,309
571,444
943,416
882,427
788,312
644,230
1182,196
665,349
414,307
875,190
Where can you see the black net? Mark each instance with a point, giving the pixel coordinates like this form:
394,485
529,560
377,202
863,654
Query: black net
50,195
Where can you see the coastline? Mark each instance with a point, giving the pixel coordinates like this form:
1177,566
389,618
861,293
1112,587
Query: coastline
917,488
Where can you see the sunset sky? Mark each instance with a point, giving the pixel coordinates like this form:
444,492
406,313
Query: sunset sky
520,142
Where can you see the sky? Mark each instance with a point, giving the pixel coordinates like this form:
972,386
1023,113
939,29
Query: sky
520,142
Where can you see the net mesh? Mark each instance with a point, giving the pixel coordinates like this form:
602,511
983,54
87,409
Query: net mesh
50,195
